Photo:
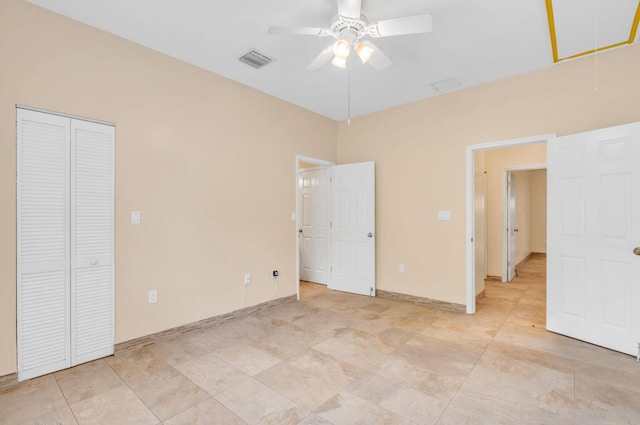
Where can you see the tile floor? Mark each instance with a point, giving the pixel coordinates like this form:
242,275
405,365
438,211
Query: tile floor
343,359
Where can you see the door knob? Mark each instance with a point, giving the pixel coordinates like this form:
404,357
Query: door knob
636,250
370,235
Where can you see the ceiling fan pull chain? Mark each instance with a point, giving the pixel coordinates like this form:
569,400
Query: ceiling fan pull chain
348,91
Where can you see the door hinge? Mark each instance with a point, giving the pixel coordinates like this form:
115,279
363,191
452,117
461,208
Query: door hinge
331,224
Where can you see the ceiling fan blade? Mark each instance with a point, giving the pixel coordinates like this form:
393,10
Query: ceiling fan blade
322,59
417,24
350,8
300,31
379,61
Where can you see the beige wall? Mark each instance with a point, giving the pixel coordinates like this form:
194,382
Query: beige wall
208,162
419,151
539,211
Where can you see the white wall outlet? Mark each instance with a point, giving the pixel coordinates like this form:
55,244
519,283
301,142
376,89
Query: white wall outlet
136,217
444,215
247,278
401,268
153,296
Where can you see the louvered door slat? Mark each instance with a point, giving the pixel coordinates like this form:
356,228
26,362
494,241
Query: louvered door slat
92,188
43,261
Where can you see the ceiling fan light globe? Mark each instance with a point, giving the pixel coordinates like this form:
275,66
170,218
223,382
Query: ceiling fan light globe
341,48
339,62
365,51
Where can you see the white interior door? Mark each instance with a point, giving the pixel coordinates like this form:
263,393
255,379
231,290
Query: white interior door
92,241
353,228
593,280
480,229
314,232
512,229
43,263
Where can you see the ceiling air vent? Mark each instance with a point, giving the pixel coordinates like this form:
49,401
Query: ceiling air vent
447,85
255,59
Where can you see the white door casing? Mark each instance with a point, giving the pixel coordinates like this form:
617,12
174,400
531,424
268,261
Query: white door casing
353,228
593,276
512,226
480,229
314,230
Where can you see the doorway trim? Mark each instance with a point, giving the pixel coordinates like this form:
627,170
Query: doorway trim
470,170
505,211
319,163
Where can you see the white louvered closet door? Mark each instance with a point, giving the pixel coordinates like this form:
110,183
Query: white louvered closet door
92,250
65,243
43,291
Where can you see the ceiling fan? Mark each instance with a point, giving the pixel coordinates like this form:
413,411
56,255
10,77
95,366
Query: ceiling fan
350,27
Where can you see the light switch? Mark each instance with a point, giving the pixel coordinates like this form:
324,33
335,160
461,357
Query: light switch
444,215
135,217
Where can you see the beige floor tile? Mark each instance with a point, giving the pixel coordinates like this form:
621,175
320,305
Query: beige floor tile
465,410
348,409
522,333
117,406
248,359
439,355
439,384
86,380
309,379
314,420
29,399
475,333
168,393
211,373
287,341
355,347
209,412
177,350
414,405
322,322
374,387
523,384
137,364
605,395
62,416
255,403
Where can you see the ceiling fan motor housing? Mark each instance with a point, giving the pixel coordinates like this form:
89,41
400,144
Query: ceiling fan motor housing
350,28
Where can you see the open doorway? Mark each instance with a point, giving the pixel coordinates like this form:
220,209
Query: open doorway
312,221
338,248
492,158
524,216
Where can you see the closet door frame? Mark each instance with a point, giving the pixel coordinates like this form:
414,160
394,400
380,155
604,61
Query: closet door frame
71,358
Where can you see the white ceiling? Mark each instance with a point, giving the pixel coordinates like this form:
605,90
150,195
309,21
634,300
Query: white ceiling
473,42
